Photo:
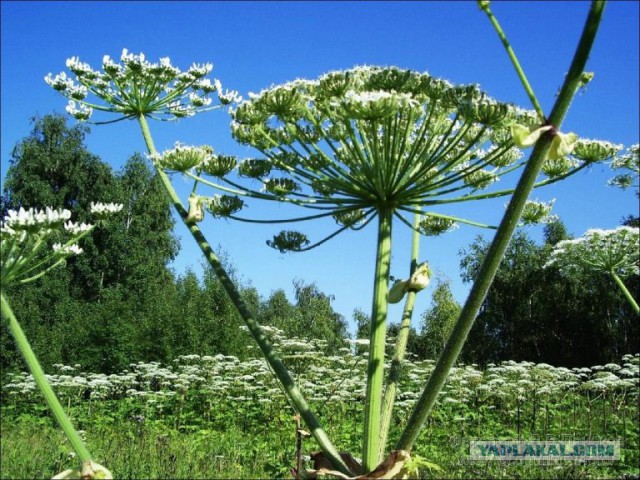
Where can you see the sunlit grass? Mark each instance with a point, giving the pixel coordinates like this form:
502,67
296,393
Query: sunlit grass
218,417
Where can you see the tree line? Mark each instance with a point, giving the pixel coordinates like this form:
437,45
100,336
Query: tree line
120,303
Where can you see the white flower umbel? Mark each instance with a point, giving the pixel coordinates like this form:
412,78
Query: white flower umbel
32,220
25,236
182,158
350,138
603,251
76,228
104,210
66,250
23,239
136,87
26,254
536,212
613,252
629,164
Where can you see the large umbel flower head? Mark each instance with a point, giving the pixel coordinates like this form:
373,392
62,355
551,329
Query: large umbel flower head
610,252
614,251
359,142
136,87
33,241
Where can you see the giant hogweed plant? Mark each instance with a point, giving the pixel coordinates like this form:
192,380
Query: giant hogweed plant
32,243
606,252
355,145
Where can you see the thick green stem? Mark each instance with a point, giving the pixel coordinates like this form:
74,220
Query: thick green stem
375,370
280,371
503,236
40,379
395,371
626,292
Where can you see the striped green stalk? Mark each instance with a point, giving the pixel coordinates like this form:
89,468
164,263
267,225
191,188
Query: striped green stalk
375,370
401,345
43,384
281,372
501,240
626,292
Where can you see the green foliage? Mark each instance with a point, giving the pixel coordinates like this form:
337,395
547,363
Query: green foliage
438,321
118,302
217,417
533,313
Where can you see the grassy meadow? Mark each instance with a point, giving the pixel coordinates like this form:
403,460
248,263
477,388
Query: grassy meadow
219,417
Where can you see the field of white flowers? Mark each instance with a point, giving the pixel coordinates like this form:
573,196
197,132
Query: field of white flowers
517,392
234,411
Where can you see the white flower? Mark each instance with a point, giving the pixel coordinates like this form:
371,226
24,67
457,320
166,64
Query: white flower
79,110
77,228
60,82
104,210
606,251
79,68
32,219
101,208
66,250
199,101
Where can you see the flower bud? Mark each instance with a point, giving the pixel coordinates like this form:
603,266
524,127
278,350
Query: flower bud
397,291
90,470
420,278
562,145
196,210
526,135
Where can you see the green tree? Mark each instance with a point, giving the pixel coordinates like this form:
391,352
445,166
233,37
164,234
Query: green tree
438,321
93,311
318,319
536,314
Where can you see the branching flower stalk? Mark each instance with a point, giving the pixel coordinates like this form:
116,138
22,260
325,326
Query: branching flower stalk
573,81
353,145
371,142
137,89
420,282
610,252
27,253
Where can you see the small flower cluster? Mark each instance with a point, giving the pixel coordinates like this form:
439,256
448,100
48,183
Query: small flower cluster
630,163
104,210
604,251
536,212
137,87
432,225
25,234
182,158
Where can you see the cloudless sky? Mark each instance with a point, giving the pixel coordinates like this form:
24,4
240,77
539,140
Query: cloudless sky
256,44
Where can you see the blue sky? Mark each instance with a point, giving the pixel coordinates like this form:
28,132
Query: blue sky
256,44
